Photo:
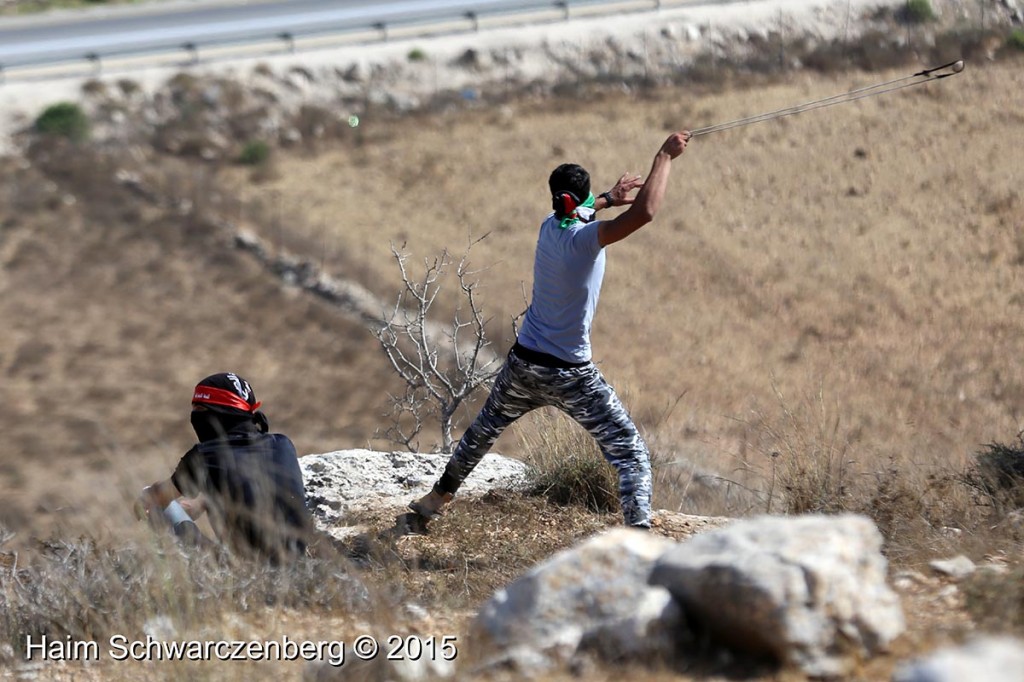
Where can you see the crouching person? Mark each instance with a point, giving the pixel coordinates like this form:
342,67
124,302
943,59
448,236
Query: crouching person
247,480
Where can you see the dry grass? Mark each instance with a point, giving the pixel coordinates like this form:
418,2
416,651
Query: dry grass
801,459
849,248
83,590
833,297
478,547
857,254
567,466
116,298
87,591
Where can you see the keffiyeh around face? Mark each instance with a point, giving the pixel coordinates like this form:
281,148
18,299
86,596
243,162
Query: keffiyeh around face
575,216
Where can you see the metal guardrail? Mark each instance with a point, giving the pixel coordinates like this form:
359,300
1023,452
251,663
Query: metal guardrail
390,21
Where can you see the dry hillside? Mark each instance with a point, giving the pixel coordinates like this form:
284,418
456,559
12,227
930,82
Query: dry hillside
825,316
852,271
847,275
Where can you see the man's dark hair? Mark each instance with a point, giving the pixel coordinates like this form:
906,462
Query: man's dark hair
570,177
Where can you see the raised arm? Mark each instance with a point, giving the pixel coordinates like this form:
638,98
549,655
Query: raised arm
647,202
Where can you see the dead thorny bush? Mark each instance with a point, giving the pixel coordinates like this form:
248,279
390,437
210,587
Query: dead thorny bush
442,365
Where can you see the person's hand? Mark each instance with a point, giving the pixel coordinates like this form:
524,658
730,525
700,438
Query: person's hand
676,143
626,184
194,506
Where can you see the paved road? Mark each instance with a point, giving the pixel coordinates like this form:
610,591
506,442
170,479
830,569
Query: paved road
73,36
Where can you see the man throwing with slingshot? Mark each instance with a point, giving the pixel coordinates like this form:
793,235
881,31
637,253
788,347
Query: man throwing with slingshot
550,363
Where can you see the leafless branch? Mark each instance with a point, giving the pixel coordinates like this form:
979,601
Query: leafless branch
441,372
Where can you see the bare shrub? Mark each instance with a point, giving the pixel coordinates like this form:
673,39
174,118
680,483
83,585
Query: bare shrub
128,87
567,467
441,370
94,88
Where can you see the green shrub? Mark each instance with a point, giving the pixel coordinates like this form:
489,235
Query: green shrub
254,153
64,119
416,54
917,12
1016,39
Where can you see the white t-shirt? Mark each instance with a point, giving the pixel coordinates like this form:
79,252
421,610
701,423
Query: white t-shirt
568,270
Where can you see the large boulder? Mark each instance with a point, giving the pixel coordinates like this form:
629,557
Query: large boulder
807,591
593,597
360,480
992,659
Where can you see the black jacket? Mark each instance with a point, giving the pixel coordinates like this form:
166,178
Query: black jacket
254,487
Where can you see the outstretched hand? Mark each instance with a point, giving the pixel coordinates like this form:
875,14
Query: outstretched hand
676,143
626,184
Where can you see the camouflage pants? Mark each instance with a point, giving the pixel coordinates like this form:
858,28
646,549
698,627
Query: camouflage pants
583,394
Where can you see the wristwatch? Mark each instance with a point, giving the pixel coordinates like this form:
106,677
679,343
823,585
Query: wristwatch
607,196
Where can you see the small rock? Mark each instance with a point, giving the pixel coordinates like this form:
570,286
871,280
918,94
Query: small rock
949,596
957,568
906,580
380,669
994,569
416,612
590,598
160,627
991,659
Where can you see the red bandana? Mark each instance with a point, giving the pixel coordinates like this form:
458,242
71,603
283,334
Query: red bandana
208,395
